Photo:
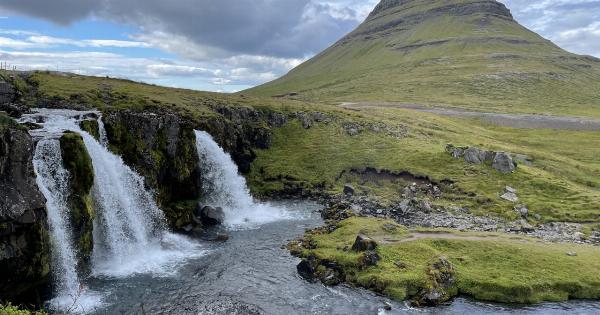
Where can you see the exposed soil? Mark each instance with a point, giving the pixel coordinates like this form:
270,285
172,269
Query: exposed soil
526,121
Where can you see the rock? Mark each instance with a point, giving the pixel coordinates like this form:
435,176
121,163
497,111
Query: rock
571,254
477,156
212,216
306,269
363,243
368,259
349,189
221,237
24,243
503,163
456,152
510,197
441,284
387,306
509,189
523,211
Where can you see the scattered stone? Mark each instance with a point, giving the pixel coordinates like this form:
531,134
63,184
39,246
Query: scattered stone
572,254
364,243
537,216
526,227
510,189
503,163
349,189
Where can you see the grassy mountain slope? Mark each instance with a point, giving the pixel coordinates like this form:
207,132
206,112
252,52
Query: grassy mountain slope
464,53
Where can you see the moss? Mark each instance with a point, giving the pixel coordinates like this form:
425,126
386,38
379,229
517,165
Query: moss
79,164
492,267
9,309
91,127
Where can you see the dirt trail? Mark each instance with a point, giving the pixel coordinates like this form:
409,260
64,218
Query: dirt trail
526,121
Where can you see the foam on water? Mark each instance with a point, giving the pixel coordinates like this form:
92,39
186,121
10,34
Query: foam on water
130,234
224,187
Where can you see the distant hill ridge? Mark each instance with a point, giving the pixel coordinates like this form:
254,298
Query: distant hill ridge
463,53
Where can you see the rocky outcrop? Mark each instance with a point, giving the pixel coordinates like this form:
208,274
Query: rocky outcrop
500,161
24,244
91,126
81,179
161,147
441,284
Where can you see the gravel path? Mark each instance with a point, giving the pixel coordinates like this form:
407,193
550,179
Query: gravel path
525,121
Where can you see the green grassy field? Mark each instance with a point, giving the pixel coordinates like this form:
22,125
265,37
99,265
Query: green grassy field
503,268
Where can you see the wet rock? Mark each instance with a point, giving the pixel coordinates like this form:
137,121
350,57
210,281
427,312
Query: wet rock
503,163
349,189
364,243
387,306
212,216
306,269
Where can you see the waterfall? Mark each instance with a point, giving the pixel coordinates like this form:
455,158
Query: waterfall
130,234
53,181
102,132
224,187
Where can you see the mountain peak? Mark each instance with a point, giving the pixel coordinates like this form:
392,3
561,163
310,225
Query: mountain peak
467,53
457,7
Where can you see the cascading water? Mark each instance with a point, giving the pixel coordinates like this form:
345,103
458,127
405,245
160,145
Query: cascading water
53,181
130,234
224,187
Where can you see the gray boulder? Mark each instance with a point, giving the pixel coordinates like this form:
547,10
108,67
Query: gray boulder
212,216
503,163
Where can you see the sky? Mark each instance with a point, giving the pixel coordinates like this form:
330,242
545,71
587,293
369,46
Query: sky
221,45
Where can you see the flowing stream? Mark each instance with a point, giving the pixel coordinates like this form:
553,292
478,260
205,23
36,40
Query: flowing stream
138,267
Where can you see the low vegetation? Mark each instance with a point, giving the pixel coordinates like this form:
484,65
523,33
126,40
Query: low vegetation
487,266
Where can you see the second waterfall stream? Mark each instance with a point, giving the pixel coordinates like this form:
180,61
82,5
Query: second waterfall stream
224,187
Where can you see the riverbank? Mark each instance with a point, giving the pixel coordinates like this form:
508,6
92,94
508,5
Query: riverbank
429,266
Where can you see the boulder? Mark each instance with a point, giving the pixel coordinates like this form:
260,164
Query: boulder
503,163
349,189
212,216
306,269
522,210
476,156
364,243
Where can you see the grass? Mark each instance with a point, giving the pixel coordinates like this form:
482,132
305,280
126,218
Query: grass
502,269
485,63
561,185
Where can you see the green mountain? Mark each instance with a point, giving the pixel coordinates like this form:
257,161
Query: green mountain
463,53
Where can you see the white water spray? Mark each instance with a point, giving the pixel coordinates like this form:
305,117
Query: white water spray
224,187
53,181
130,234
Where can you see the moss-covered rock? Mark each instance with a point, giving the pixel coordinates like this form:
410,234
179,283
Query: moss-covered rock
91,127
162,148
24,242
81,179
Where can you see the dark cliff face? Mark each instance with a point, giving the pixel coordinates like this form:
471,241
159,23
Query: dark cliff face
24,245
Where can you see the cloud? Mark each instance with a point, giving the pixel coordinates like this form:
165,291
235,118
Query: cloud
571,24
282,28
35,40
